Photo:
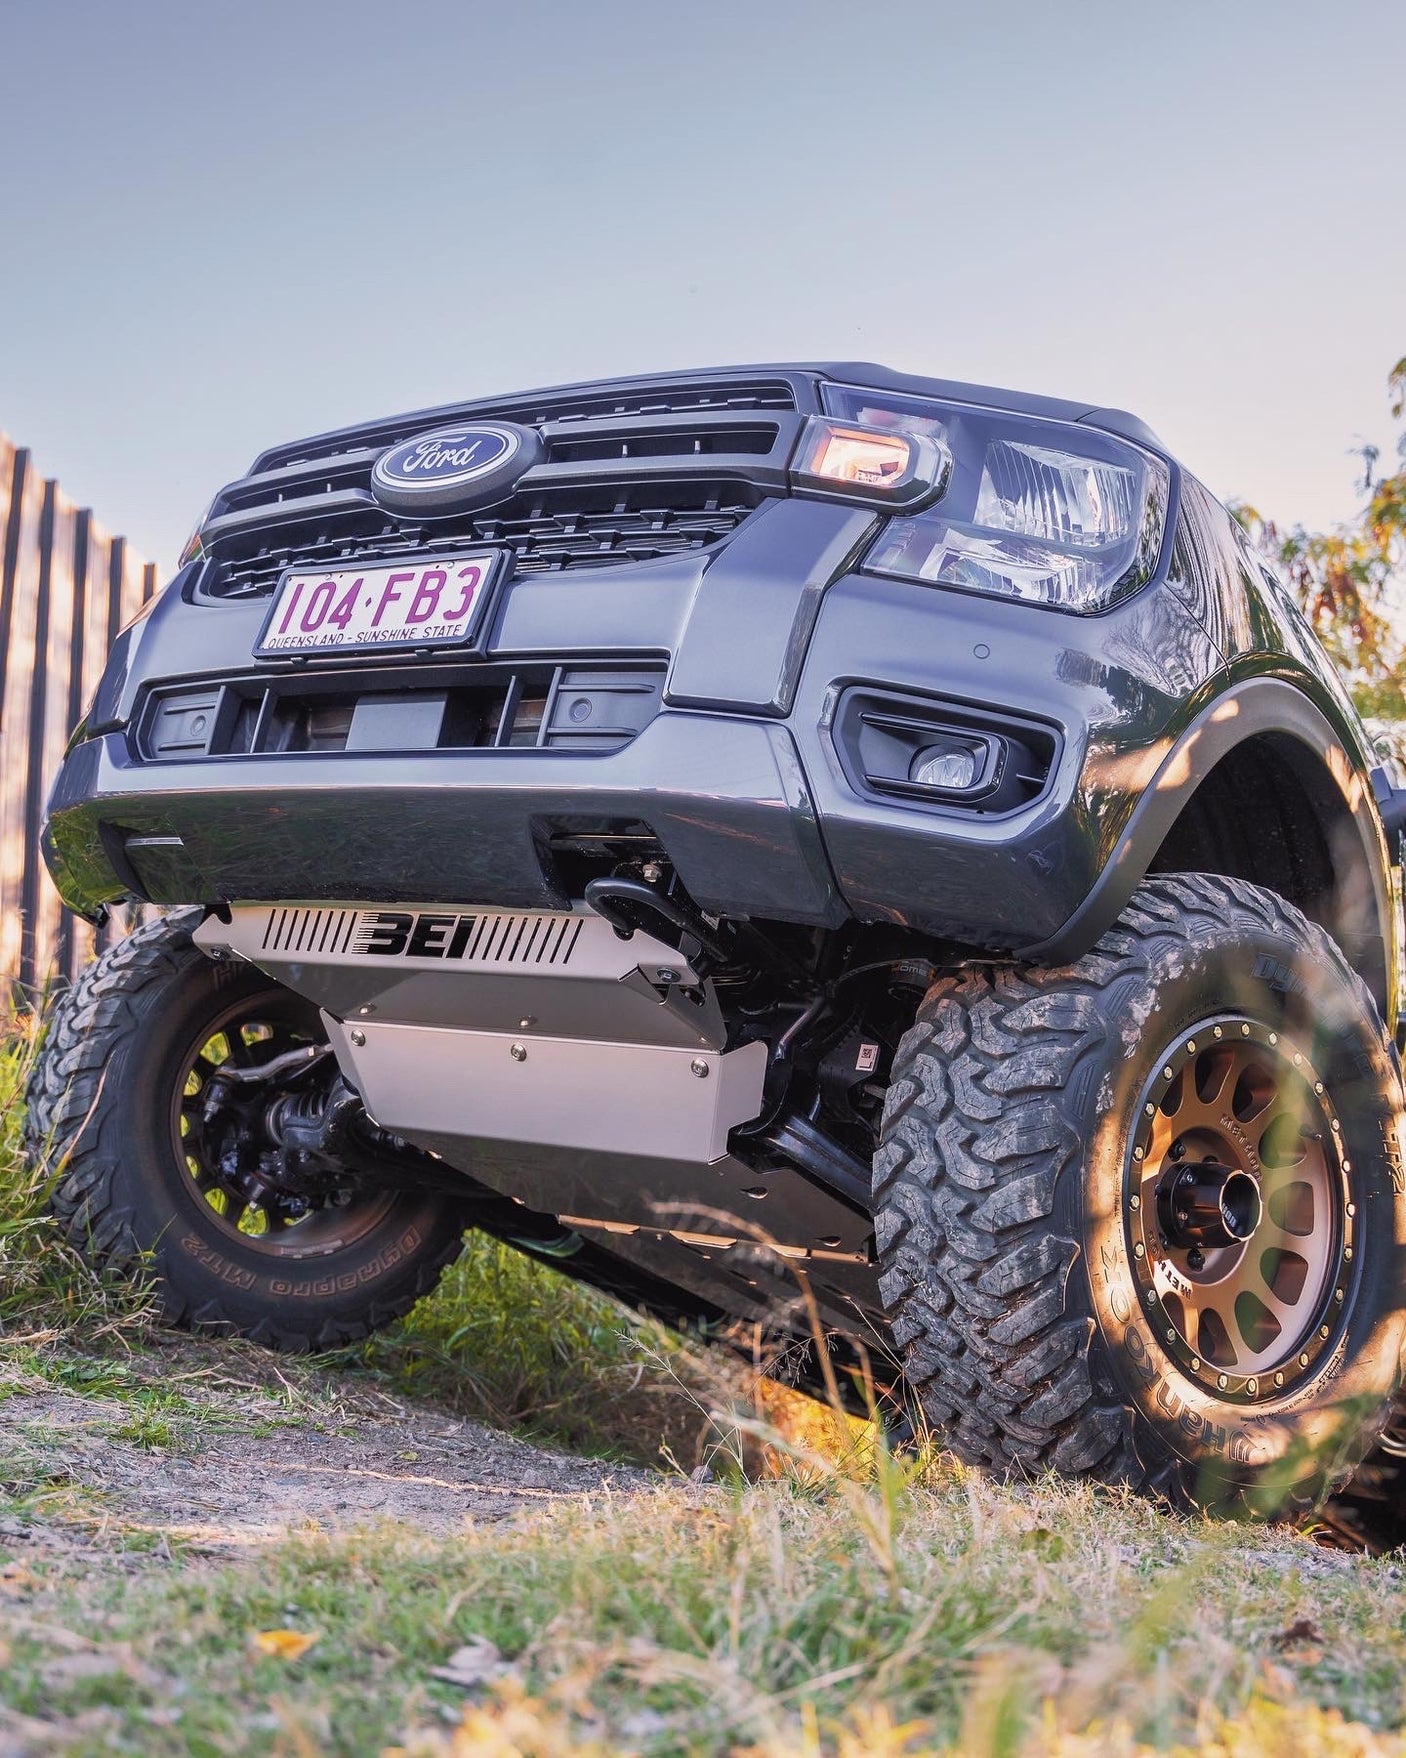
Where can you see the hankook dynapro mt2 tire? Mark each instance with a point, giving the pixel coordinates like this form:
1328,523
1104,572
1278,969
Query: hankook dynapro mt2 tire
152,1170
1143,1217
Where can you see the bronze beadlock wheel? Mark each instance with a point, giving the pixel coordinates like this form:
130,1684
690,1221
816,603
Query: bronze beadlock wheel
1144,1217
1244,1298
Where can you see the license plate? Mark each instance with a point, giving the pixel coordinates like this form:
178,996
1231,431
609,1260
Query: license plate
438,603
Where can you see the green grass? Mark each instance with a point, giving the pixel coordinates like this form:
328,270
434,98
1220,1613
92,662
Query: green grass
1045,1619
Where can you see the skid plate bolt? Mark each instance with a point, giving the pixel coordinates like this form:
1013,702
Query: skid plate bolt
699,1067
357,1038
518,1052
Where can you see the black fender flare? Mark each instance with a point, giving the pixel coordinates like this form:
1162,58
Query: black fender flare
1246,710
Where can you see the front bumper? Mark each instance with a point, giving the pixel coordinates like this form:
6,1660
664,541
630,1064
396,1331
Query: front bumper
738,776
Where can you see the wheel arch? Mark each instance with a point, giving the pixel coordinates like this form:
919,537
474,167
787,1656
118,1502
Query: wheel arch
1260,787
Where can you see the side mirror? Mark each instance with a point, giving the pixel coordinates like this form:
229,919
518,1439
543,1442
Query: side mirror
1391,807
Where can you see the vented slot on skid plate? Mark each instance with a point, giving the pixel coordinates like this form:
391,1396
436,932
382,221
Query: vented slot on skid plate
465,937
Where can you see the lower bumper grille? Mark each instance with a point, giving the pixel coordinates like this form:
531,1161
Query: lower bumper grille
535,707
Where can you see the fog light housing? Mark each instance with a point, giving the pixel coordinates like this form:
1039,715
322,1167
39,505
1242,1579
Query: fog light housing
950,767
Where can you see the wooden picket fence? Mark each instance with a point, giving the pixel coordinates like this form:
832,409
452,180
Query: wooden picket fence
66,588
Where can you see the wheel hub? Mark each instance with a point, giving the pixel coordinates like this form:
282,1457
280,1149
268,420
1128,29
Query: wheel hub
228,1127
1237,1209
1207,1204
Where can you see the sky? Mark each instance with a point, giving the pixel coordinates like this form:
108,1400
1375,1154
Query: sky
224,225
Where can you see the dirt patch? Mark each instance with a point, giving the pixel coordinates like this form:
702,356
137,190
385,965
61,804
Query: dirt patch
214,1464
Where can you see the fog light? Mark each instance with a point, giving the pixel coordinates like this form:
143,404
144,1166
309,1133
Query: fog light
953,768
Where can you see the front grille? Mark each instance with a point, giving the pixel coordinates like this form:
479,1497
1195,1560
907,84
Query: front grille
595,707
601,404
627,474
545,532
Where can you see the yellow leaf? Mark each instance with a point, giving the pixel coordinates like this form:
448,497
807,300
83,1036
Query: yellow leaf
284,1644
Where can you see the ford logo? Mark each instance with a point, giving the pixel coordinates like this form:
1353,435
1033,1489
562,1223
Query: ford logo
452,467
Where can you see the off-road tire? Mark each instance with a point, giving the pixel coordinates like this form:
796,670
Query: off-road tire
97,1118
1003,1231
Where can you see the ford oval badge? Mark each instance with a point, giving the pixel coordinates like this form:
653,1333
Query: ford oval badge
452,467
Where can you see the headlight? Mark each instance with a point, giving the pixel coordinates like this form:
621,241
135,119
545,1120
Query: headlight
1045,511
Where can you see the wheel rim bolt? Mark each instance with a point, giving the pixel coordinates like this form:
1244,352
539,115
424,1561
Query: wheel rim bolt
1139,1250
1222,1380
1279,1379
1337,1294
1135,1201
1318,1086
1303,1361
1219,1032
1274,1037
1244,1031
1137,1153
1191,1046
1167,1073
1323,1330
1351,1207
1347,1252
1151,1297
1171,1335
1195,1364
1252,1386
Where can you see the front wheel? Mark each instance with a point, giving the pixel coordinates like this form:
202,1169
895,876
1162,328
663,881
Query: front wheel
1143,1217
165,1156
